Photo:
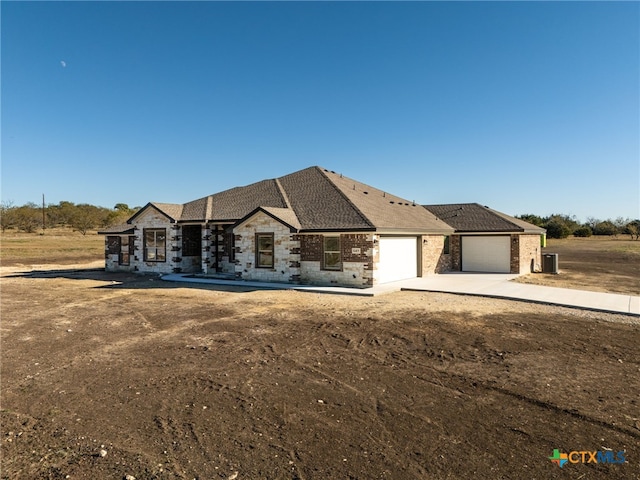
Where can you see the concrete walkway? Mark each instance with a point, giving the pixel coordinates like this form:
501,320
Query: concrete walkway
365,292
482,284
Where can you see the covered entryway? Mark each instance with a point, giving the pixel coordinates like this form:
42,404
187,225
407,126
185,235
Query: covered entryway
398,259
490,253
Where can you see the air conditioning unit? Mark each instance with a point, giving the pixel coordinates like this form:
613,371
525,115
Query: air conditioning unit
550,263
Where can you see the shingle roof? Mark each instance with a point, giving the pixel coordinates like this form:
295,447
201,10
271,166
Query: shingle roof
284,215
235,203
312,199
172,210
228,205
195,210
473,217
384,210
122,229
319,204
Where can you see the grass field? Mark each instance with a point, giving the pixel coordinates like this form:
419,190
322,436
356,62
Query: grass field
60,246
603,264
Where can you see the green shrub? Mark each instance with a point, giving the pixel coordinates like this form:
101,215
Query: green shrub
557,229
583,231
605,228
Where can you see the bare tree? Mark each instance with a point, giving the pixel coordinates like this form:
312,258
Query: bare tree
27,217
592,222
620,224
633,229
6,214
85,217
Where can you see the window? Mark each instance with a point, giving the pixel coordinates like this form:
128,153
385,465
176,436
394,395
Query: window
331,258
155,245
113,245
126,249
264,250
191,241
445,249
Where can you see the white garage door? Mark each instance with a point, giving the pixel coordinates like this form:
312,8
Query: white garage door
486,254
398,259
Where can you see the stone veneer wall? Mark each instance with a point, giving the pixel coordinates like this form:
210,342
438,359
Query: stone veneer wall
358,257
455,250
286,263
190,264
174,261
153,219
529,255
227,265
434,260
514,265
111,263
223,246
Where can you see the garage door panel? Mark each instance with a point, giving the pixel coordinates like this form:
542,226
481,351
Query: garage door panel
398,259
486,254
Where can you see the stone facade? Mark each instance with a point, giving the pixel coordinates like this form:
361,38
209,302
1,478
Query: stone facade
297,258
152,219
286,264
113,247
529,254
173,259
455,249
218,250
311,248
181,262
433,258
358,258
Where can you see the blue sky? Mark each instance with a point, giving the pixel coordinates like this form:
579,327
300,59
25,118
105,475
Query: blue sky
527,107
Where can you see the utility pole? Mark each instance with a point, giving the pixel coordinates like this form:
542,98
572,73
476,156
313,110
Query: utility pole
44,224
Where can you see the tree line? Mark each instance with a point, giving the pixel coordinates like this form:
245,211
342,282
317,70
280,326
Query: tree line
82,217
561,226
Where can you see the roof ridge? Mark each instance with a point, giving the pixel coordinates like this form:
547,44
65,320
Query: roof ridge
208,213
157,206
283,192
341,193
448,204
503,215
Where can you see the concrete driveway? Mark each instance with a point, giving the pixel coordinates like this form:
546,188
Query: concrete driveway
500,286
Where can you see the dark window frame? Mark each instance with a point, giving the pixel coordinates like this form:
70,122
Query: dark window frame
325,264
191,241
446,248
260,252
124,256
113,244
156,249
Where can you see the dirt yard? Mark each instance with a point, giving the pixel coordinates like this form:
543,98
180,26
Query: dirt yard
109,375
601,264
105,375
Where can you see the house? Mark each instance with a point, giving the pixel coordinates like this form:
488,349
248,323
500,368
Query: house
313,226
486,240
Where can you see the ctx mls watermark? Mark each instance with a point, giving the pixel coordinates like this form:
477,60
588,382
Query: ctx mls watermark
587,456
